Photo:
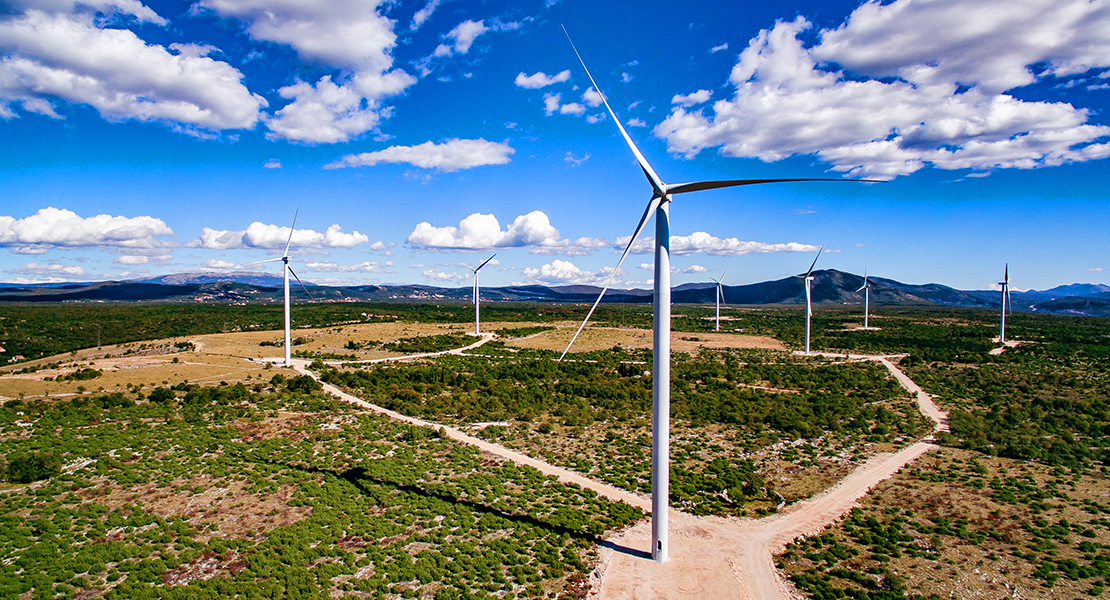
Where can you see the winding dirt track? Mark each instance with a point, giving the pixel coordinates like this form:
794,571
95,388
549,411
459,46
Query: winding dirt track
711,556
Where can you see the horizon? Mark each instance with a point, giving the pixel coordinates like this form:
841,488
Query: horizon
237,276
449,132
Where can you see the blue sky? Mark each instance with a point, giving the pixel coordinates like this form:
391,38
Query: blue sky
150,138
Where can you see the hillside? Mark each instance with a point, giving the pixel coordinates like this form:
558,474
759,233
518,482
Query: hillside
829,287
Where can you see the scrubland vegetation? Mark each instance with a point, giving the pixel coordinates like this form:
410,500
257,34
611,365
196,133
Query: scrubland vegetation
959,524
1017,507
276,490
733,411
271,487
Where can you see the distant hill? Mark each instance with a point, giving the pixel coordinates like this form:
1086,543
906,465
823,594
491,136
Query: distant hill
1078,289
259,279
829,287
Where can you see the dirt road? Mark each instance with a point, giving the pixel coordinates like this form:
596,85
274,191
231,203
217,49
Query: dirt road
732,558
712,557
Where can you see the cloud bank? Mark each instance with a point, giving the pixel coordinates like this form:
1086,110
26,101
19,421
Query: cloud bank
483,232
449,156
61,228
906,96
700,241
275,237
47,55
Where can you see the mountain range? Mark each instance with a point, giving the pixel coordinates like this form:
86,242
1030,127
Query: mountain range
829,287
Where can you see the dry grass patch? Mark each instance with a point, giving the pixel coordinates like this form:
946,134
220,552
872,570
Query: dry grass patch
119,373
216,358
326,340
603,338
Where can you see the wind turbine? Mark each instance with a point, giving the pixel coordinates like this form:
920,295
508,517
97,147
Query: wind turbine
720,298
659,205
476,331
287,270
1006,304
809,300
866,288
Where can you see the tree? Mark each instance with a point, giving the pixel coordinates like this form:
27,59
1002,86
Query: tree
30,467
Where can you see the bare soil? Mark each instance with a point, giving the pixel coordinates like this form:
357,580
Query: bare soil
221,507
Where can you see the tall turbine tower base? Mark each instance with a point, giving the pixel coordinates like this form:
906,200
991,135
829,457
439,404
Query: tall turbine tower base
661,382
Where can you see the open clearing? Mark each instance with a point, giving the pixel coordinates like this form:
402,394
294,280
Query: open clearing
603,338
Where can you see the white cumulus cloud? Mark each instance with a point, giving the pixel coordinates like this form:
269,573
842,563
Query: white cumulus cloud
540,79
327,113
483,232
424,14
572,108
990,43
363,267
349,35
689,100
442,276
61,228
50,273
700,241
564,272
275,237
451,155
45,57
693,269
910,96
461,37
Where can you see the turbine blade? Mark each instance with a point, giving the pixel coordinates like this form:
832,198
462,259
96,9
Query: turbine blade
468,266
484,264
822,249
861,288
302,284
697,186
660,187
651,207
291,229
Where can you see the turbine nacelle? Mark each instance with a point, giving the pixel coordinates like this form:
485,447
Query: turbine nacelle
658,206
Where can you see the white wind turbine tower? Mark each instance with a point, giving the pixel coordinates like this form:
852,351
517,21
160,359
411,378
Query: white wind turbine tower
476,290
809,299
866,288
720,297
659,205
1006,304
286,269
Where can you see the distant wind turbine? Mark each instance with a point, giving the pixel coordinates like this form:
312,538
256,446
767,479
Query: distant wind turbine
720,297
287,270
866,288
1006,304
476,290
659,205
809,298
